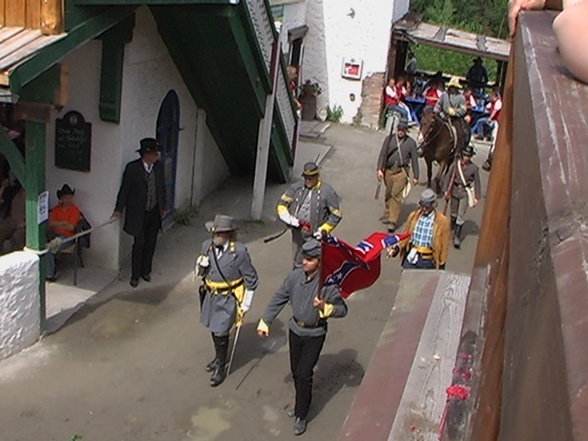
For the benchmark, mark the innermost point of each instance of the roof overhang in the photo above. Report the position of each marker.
(412, 30)
(26, 55)
(17, 45)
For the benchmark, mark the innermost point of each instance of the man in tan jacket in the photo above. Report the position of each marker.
(428, 245)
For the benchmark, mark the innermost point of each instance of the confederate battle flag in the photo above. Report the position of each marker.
(354, 268)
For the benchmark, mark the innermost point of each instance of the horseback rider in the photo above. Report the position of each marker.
(452, 109)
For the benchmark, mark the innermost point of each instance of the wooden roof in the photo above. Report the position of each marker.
(18, 44)
(451, 39)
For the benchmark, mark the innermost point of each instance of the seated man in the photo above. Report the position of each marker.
(484, 126)
(62, 223)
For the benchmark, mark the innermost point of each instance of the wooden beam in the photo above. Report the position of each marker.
(113, 54)
(424, 397)
(47, 57)
(33, 14)
(13, 155)
(14, 12)
(35, 185)
(152, 2)
(2, 12)
(52, 20)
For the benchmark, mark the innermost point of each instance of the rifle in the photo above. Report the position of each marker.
(378, 190)
(450, 186)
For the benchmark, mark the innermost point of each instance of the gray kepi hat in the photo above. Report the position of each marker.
(428, 198)
(220, 224)
(312, 248)
(310, 169)
(402, 125)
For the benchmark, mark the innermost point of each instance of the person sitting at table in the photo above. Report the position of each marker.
(471, 104)
(62, 223)
(392, 99)
(486, 126)
(403, 89)
(432, 95)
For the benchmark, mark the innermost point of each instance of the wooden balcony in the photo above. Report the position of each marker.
(46, 15)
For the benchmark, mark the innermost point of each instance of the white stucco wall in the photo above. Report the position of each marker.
(95, 190)
(19, 302)
(148, 74)
(334, 35)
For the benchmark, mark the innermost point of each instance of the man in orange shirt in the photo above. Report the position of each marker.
(62, 221)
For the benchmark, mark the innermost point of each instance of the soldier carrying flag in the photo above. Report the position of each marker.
(312, 306)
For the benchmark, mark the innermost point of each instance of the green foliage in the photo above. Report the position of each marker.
(77, 437)
(335, 114)
(184, 217)
(487, 18)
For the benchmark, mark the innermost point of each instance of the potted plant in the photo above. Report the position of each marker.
(308, 93)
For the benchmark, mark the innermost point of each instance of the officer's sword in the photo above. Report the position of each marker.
(233, 350)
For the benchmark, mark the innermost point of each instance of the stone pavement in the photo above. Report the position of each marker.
(129, 364)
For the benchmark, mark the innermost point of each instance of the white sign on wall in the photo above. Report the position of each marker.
(352, 68)
(43, 207)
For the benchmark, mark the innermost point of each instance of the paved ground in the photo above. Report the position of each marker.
(129, 366)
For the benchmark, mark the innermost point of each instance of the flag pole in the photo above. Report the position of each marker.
(320, 274)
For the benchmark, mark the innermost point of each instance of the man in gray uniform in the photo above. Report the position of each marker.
(309, 208)
(308, 325)
(462, 176)
(227, 292)
(397, 155)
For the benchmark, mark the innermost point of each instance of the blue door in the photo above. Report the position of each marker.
(168, 130)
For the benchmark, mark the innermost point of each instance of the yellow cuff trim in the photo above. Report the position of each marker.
(329, 308)
(262, 326)
(328, 228)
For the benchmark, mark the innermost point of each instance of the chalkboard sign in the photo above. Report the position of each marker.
(73, 141)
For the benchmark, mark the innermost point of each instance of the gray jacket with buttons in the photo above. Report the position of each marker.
(300, 293)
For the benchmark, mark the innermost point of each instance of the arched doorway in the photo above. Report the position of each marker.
(168, 130)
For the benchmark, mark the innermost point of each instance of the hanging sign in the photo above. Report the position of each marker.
(352, 68)
(73, 140)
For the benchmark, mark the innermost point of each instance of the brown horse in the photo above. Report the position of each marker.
(440, 141)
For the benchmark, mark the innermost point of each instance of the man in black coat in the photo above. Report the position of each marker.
(142, 194)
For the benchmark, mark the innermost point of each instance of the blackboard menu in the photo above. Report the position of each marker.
(73, 141)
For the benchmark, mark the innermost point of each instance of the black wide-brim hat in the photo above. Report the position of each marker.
(65, 190)
(149, 145)
(221, 224)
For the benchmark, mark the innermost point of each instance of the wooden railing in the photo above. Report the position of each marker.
(262, 20)
(523, 355)
(46, 15)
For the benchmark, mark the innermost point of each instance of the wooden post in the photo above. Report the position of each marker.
(34, 186)
(52, 21)
(264, 138)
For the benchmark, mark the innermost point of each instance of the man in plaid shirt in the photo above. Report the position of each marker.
(428, 245)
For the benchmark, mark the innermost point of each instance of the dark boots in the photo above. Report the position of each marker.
(219, 372)
(211, 366)
(457, 236)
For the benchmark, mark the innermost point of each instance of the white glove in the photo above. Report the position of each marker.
(247, 300)
(202, 261)
(288, 219)
(318, 234)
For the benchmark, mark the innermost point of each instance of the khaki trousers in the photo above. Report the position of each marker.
(395, 183)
